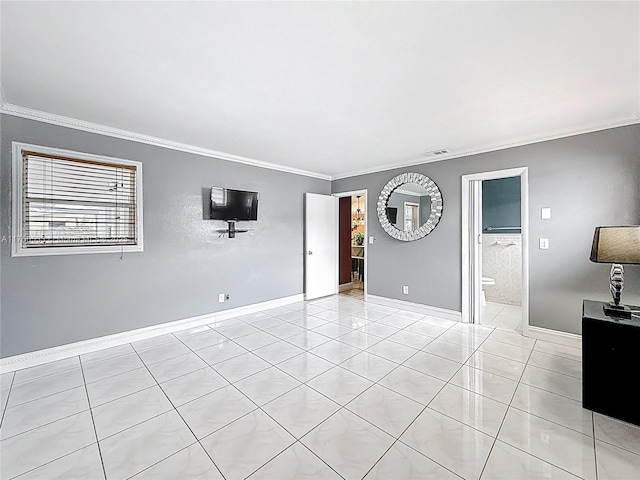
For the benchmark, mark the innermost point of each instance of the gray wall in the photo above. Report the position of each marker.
(396, 200)
(587, 180)
(425, 208)
(501, 204)
(53, 300)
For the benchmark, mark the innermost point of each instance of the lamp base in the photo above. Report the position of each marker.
(613, 310)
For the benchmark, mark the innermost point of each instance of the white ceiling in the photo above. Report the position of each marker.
(333, 88)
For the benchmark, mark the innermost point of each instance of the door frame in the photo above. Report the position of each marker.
(467, 227)
(364, 193)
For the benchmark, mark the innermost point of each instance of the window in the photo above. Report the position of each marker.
(67, 202)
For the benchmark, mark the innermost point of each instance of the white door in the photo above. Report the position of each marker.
(321, 245)
(476, 251)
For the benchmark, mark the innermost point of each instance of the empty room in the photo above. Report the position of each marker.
(319, 240)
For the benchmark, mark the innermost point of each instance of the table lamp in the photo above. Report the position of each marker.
(616, 245)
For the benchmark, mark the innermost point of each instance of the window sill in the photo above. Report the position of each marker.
(47, 251)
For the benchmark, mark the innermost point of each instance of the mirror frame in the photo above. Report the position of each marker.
(436, 206)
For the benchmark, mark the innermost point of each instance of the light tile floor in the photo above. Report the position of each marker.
(499, 315)
(329, 389)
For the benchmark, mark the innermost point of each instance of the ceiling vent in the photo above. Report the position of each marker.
(435, 153)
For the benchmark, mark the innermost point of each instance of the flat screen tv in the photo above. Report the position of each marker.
(392, 214)
(228, 204)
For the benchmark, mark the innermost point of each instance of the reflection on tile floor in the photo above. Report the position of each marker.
(333, 388)
(505, 317)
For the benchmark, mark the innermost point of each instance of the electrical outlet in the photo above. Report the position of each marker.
(221, 297)
(544, 244)
(405, 290)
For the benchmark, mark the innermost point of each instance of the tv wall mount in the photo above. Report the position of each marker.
(232, 230)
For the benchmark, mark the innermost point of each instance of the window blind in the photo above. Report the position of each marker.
(77, 202)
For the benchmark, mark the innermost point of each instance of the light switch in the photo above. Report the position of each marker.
(370, 240)
(544, 244)
(545, 213)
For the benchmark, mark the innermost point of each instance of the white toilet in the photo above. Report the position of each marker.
(486, 282)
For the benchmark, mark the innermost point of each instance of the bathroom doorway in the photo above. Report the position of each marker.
(495, 249)
(352, 251)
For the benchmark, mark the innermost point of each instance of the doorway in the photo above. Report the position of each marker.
(352, 247)
(495, 269)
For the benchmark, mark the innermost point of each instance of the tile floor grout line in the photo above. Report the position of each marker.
(523, 451)
(119, 373)
(258, 407)
(6, 405)
(92, 362)
(554, 371)
(383, 386)
(483, 395)
(93, 422)
(55, 460)
(46, 374)
(39, 398)
(341, 407)
(47, 423)
(549, 420)
(272, 458)
(359, 349)
(413, 421)
(495, 439)
(551, 391)
(396, 439)
(315, 455)
(446, 383)
(183, 421)
(636, 454)
(162, 460)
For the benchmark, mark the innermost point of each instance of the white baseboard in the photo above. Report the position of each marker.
(32, 359)
(345, 286)
(555, 336)
(416, 307)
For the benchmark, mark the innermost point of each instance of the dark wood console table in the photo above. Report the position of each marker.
(610, 363)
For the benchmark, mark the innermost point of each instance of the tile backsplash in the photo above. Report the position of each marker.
(502, 261)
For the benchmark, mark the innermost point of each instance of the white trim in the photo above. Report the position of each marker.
(523, 173)
(3, 98)
(31, 359)
(52, 118)
(365, 194)
(555, 336)
(623, 122)
(416, 307)
(17, 250)
(345, 287)
(407, 192)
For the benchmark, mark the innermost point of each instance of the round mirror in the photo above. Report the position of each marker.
(409, 206)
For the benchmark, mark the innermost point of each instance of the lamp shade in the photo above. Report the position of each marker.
(616, 245)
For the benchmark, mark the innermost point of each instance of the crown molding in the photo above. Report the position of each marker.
(407, 192)
(69, 122)
(492, 148)
(3, 99)
(62, 121)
